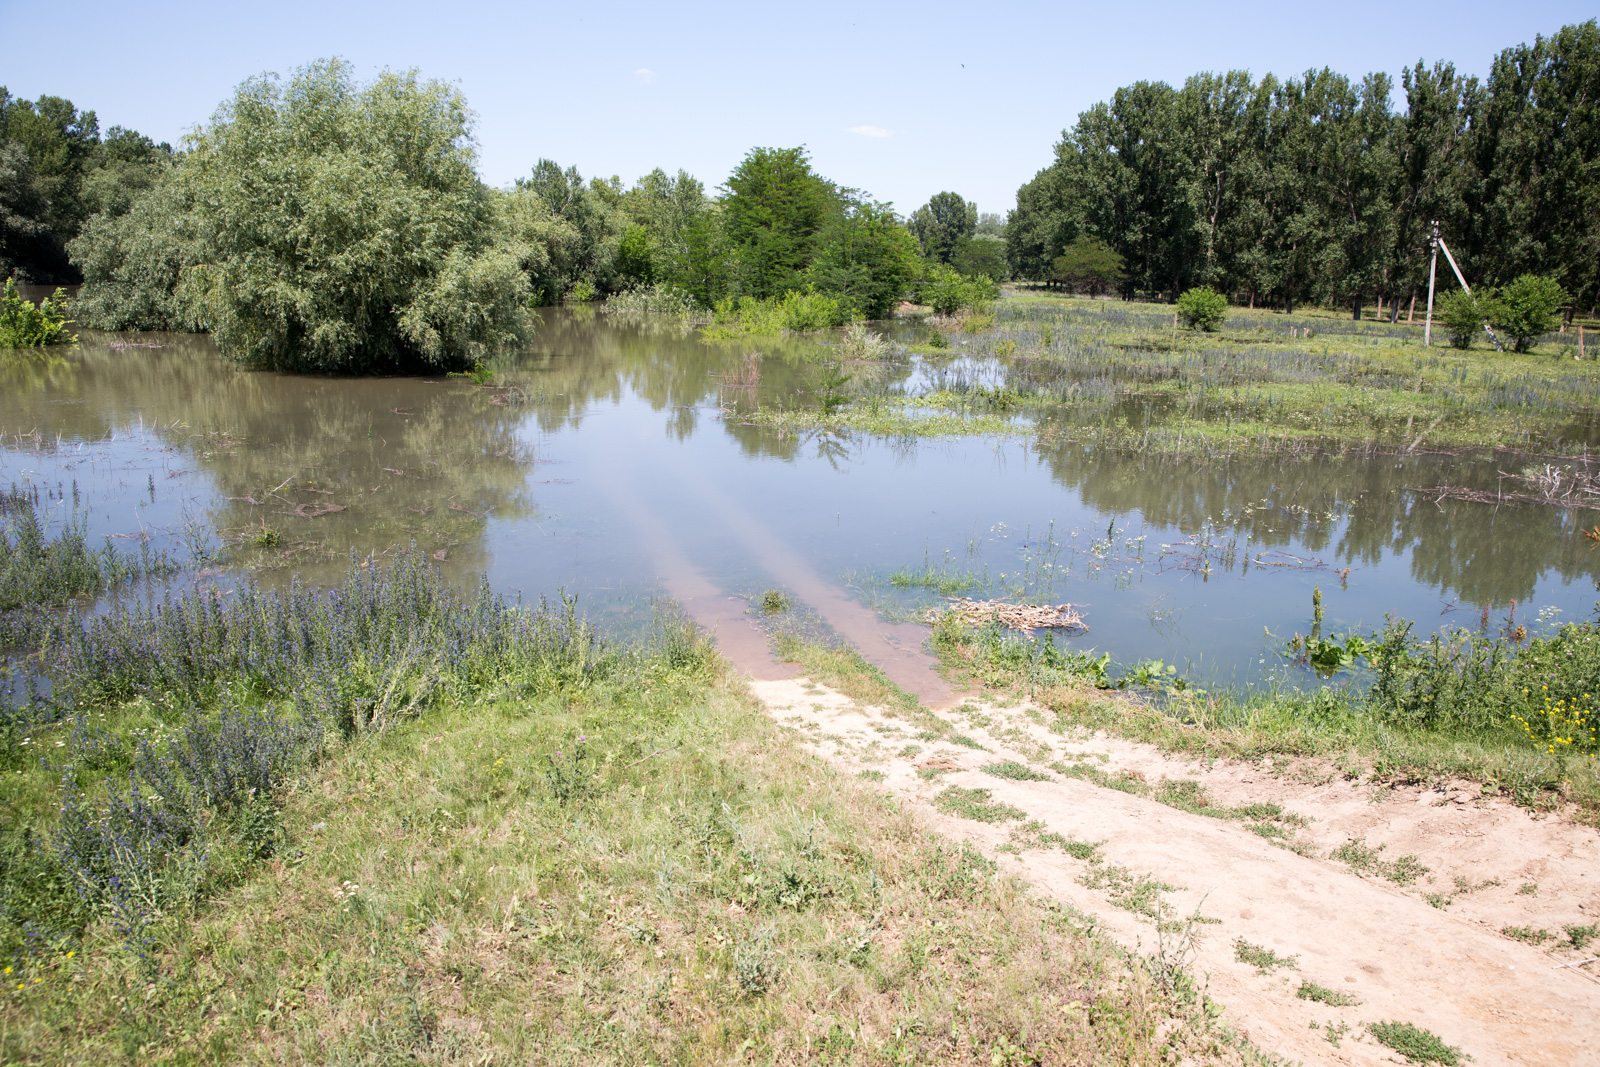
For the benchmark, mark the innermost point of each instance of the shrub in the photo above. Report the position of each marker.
(24, 324)
(1527, 309)
(948, 292)
(1463, 314)
(1203, 308)
(794, 312)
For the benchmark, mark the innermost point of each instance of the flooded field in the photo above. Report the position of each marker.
(616, 460)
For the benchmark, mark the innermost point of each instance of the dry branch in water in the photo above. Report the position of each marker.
(1564, 487)
(1012, 616)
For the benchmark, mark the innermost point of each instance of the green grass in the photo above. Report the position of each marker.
(1527, 934)
(1579, 935)
(1333, 728)
(1364, 859)
(1138, 893)
(685, 887)
(1018, 772)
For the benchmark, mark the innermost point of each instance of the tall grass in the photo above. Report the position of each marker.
(614, 856)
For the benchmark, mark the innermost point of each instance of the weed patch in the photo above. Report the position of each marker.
(1364, 859)
(1310, 990)
(1415, 1044)
(975, 804)
(1018, 772)
(1264, 960)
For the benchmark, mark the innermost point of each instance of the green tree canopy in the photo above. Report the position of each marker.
(1313, 188)
(773, 212)
(1088, 265)
(943, 225)
(865, 256)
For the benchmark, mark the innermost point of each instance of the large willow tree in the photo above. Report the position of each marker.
(343, 227)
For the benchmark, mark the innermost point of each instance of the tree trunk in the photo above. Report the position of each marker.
(1411, 314)
(1355, 307)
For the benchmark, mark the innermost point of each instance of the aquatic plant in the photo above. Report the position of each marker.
(387, 642)
(24, 324)
(39, 570)
(656, 299)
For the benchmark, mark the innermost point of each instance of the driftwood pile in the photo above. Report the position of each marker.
(1012, 616)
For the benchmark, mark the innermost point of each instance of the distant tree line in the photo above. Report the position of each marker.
(319, 223)
(1316, 189)
(56, 173)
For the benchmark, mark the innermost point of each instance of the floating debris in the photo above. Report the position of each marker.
(1012, 616)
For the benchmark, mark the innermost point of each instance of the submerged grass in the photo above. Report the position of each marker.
(547, 850)
(1111, 375)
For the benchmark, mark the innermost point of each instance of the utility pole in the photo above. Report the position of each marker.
(1436, 242)
(1486, 327)
(1433, 268)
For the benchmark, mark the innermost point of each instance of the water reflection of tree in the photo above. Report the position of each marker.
(403, 458)
(1349, 510)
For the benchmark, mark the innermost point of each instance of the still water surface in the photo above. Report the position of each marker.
(612, 460)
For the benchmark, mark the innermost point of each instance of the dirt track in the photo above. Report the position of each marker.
(1448, 969)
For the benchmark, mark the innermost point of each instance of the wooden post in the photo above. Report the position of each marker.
(1411, 313)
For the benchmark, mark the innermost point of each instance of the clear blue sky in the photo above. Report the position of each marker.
(901, 100)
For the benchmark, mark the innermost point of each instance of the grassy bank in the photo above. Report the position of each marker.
(1115, 375)
(397, 823)
(1511, 712)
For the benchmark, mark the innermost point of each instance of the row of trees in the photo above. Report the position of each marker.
(320, 223)
(1316, 188)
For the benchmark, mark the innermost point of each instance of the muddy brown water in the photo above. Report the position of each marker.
(613, 460)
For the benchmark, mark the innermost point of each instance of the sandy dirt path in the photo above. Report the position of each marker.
(1444, 966)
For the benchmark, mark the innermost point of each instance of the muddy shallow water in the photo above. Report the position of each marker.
(611, 460)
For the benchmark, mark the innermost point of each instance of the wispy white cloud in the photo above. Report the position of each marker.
(871, 131)
(645, 74)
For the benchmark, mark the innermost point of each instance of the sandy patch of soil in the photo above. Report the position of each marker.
(1413, 932)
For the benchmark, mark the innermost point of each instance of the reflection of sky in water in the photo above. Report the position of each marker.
(592, 455)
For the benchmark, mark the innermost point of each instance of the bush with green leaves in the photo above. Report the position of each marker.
(345, 228)
(1463, 314)
(24, 324)
(794, 312)
(1527, 309)
(1203, 308)
(656, 299)
(947, 291)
